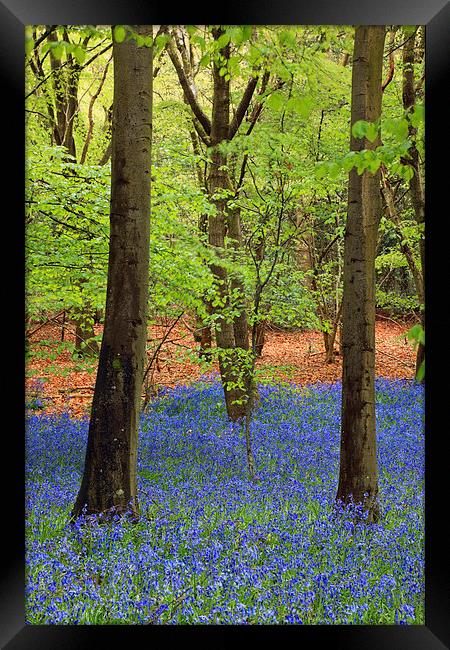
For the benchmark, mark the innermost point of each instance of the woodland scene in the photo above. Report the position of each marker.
(225, 324)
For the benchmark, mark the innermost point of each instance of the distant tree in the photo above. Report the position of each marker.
(109, 479)
(416, 181)
(224, 226)
(358, 474)
(60, 89)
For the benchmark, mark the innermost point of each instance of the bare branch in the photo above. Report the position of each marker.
(90, 113)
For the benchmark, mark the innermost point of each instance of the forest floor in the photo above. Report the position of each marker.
(63, 383)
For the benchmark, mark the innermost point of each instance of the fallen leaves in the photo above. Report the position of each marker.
(297, 357)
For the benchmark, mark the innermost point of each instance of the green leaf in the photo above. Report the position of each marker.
(57, 51)
(409, 30)
(405, 171)
(417, 117)
(119, 33)
(205, 60)
(160, 41)
(29, 45)
(416, 333)
(246, 32)
(223, 40)
(236, 35)
(359, 129)
(370, 160)
(287, 37)
(363, 129)
(397, 127)
(333, 170)
(320, 170)
(361, 163)
(200, 41)
(301, 105)
(372, 132)
(275, 100)
(420, 374)
(79, 54)
(349, 160)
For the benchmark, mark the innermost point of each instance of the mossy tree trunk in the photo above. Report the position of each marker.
(231, 334)
(109, 479)
(224, 230)
(218, 184)
(358, 472)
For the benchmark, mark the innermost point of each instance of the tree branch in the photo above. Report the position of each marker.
(243, 106)
(187, 89)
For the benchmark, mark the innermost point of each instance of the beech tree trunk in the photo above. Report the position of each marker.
(224, 226)
(109, 479)
(358, 473)
(227, 331)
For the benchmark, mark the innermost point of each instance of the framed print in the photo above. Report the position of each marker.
(272, 145)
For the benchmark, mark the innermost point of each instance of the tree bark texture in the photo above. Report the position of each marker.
(109, 479)
(358, 475)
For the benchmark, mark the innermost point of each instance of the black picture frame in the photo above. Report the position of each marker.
(435, 14)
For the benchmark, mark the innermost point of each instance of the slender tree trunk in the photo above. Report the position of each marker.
(405, 247)
(329, 357)
(224, 330)
(84, 318)
(259, 325)
(303, 249)
(204, 329)
(416, 182)
(65, 84)
(240, 323)
(109, 479)
(84, 334)
(260, 337)
(358, 474)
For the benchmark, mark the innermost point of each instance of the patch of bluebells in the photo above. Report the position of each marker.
(35, 399)
(213, 547)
